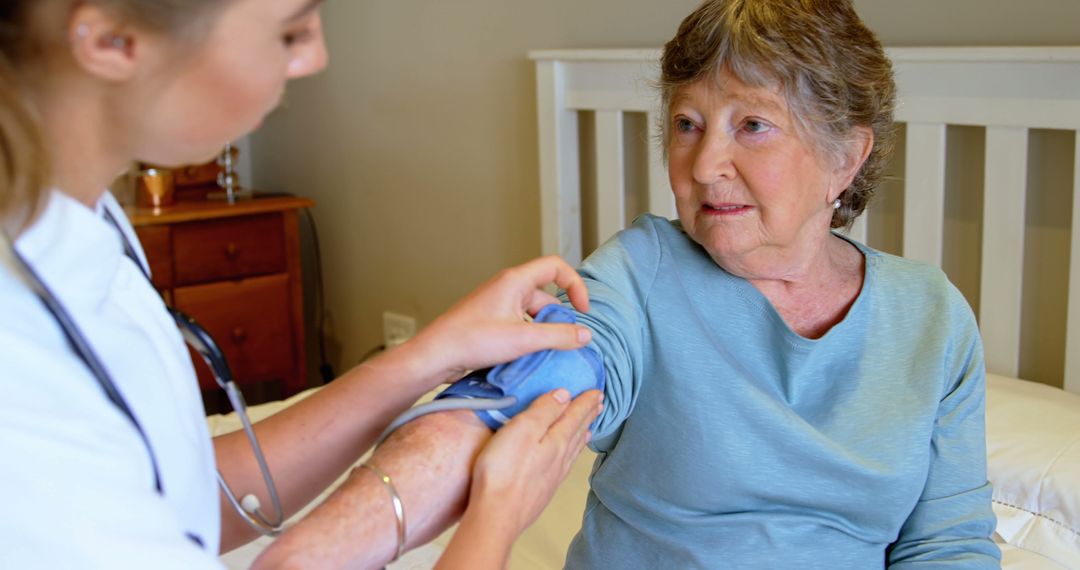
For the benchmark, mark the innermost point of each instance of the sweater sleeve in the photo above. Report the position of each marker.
(619, 275)
(951, 524)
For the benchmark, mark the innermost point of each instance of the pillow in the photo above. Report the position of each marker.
(1033, 451)
(1014, 558)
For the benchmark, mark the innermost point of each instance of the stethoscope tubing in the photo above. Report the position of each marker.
(270, 526)
(85, 352)
(205, 346)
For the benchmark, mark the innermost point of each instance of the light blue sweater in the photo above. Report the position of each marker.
(729, 441)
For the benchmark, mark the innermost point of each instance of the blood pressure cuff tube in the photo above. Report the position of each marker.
(532, 375)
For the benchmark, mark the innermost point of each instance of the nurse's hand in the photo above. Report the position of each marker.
(516, 475)
(488, 326)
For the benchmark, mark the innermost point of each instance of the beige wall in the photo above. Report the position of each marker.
(419, 142)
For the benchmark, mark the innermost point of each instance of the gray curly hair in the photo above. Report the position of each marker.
(830, 67)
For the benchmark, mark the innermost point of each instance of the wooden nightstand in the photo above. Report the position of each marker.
(234, 268)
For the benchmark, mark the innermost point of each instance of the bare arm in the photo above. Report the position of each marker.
(310, 444)
(430, 461)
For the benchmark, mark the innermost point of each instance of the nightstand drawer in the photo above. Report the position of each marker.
(228, 249)
(157, 244)
(236, 269)
(251, 322)
(197, 174)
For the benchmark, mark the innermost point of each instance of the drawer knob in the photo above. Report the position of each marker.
(232, 250)
(239, 335)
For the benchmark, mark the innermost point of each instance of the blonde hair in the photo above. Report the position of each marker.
(24, 158)
(830, 67)
(24, 163)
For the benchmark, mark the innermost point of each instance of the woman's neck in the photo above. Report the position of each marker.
(823, 291)
(799, 260)
(83, 142)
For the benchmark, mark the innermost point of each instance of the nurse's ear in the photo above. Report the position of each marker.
(101, 45)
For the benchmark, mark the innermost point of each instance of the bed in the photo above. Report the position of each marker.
(986, 185)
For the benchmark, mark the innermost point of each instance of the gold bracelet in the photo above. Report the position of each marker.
(399, 507)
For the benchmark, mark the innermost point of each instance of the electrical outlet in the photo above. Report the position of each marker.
(397, 328)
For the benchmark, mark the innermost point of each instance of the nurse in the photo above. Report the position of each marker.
(93, 479)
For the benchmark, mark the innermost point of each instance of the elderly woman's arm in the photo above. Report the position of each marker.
(952, 522)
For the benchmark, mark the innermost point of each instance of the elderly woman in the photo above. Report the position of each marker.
(778, 394)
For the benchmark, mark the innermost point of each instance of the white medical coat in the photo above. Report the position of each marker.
(76, 482)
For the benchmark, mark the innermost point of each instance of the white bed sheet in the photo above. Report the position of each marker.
(1016, 558)
(1033, 451)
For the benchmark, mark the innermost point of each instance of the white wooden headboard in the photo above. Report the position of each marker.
(587, 156)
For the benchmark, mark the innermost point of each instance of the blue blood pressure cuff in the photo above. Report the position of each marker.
(532, 375)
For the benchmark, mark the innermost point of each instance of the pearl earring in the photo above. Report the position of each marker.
(836, 204)
(118, 42)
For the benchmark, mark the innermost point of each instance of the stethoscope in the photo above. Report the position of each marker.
(198, 338)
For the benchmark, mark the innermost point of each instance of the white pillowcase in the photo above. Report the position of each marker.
(1033, 447)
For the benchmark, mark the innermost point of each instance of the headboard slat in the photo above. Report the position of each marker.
(1072, 333)
(1003, 112)
(560, 165)
(1003, 247)
(610, 175)
(924, 192)
(608, 100)
(661, 201)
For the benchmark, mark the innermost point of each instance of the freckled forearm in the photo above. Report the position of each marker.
(429, 461)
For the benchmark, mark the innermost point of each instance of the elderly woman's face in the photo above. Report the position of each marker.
(748, 187)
